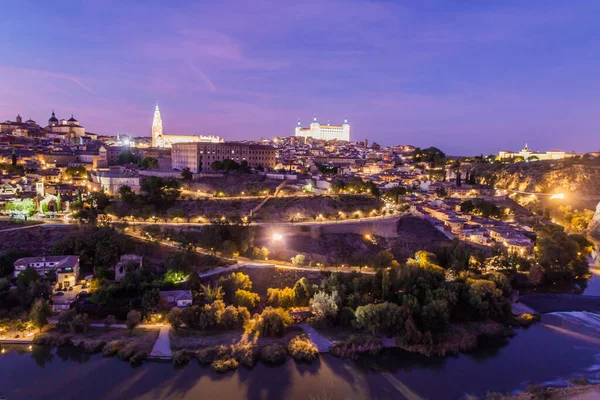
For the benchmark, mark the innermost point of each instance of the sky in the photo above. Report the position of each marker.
(467, 76)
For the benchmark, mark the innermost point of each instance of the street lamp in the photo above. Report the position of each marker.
(277, 236)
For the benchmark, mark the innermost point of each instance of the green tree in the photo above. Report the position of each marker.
(216, 165)
(273, 321)
(187, 175)
(151, 300)
(39, 313)
(324, 307)
(298, 259)
(234, 282)
(134, 318)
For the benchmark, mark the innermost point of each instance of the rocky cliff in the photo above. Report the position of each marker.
(594, 226)
(543, 176)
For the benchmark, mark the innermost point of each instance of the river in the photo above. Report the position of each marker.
(563, 345)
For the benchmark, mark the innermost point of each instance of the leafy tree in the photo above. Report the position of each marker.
(149, 163)
(151, 300)
(187, 175)
(40, 311)
(324, 306)
(234, 282)
(174, 318)
(212, 293)
(383, 259)
(298, 260)
(127, 157)
(216, 165)
(273, 321)
(284, 298)
(134, 318)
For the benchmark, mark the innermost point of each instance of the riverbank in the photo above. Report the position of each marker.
(576, 392)
(133, 346)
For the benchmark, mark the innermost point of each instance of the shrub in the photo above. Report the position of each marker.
(302, 349)
(209, 354)
(356, 345)
(273, 321)
(133, 319)
(182, 357)
(110, 320)
(64, 319)
(579, 381)
(174, 318)
(273, 354)
(246, 353)
(210, 315)
(137, 357)
(225, 364)
(285, 297)
(80, 323)
(247, 299)
(111, 348)
(126, 352)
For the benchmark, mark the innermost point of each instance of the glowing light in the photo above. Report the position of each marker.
(277, 236)
(557, 196)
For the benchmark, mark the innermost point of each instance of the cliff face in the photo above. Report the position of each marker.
(594, 226)
(543, 176)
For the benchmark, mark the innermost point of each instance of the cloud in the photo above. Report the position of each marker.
(211, 86)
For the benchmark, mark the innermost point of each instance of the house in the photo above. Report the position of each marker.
(176, 298)
(65, 267)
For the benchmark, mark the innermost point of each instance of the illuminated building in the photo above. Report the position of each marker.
(530, 155)
(199, 156)
(324, 132)
(159, 139)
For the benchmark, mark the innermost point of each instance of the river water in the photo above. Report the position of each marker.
(561, 346)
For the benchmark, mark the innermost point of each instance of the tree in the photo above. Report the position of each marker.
(151, 300)
(216, 165)
(324, 306)
(187, 175)
(298, 259)
(127, 157)
(383, 259)
(174, 318)
(109, 321)
(273, 321)
(245, 298)
(149, 163)
(212, 293)
(58, 202)
(39, 313)
(134, 318)
(536, 274)
(234, 282)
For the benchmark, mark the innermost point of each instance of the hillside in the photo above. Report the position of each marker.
(581, 176)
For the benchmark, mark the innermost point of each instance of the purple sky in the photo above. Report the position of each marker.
(464, 75)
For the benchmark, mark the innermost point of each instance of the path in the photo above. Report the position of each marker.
(259, 265)
(162, 346)
(321, 343)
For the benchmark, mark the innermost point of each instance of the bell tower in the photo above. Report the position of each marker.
(157, 129)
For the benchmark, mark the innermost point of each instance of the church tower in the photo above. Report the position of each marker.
(157, 129)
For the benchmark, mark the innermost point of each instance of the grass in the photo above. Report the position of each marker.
(355, 345)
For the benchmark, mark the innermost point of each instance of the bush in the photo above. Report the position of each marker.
(224, 365)
(234, 317)
(182, 357)
(302, 349)
(246, 354)
(174, 318)
(110, 320)
(245, 298)
(209, 354)
(64, 319)
(273, 354)
(111, 348)
(355, 345)
(579, 381)
(273, 321)
(133, 319)
(285, 297)
(80, 323)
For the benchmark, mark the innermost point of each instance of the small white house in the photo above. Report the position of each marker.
(177, 298)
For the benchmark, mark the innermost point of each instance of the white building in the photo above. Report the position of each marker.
(159, 139)
(324, 132)
(66, 268)
(530, 155)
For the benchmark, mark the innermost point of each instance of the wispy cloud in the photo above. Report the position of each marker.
(211, 86)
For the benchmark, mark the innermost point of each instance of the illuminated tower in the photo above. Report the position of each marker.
(157, 129)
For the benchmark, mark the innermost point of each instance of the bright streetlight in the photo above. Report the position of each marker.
(277, 236)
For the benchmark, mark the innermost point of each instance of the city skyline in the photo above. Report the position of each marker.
(467, 78)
